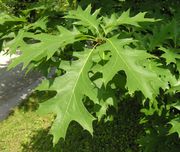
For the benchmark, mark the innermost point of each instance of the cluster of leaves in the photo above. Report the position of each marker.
(99, 59)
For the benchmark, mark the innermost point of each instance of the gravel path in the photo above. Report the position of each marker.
(14, 85)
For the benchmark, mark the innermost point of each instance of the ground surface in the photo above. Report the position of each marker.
(25, 131)
(14, 85)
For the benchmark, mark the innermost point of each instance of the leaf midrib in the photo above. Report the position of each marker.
(73, 90)
(130, 69)
(91, 24)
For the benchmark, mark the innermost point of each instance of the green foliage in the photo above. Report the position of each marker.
(67, 103)
(48, 44)
(96, 57)
(175, 126)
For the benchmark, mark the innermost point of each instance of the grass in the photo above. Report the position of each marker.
(25, 131)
